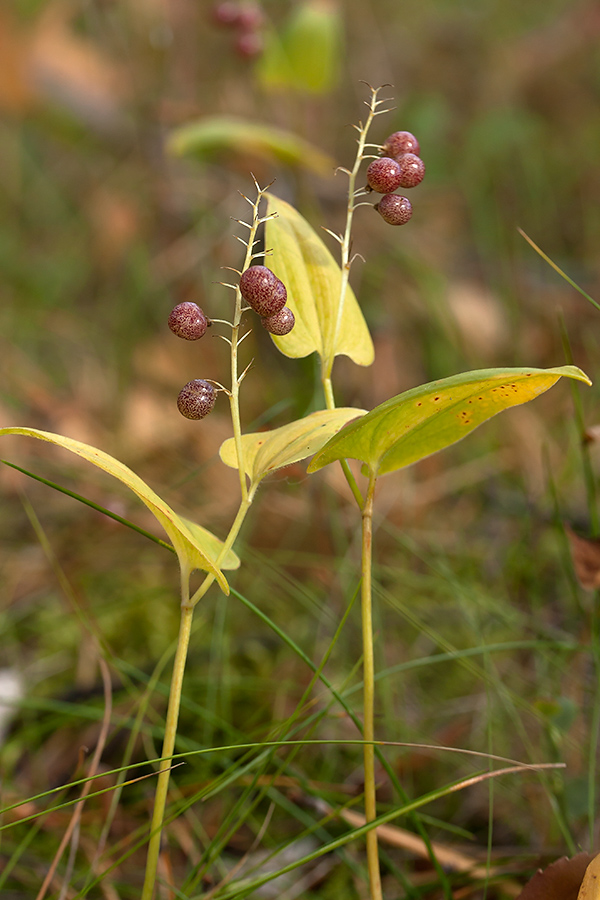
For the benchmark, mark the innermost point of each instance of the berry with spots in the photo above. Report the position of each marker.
(412, 170)
(394, 209)
(401, 142)
(196, 399)
(249, 44)
(384, 175)
(281, 323)
(188, 321)
(263, 290)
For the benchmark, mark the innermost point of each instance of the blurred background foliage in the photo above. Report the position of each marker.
(119, 176)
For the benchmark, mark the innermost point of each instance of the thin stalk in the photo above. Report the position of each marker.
(346, 262)
(162, 785)
(187, 603)
(369, 691)
(330, 403)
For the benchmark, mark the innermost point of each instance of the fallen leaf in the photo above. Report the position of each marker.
(560, 881)
(585, 554)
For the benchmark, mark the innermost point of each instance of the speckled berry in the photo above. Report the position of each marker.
(412, 170)
(188, 321)
(263, 290)
(384, 175)
(394, 209)
(250, 17)
(196, 399)
(281, 323)
(401, 142)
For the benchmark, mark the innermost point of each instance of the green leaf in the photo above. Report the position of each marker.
(307, 56)
(266, 451)
(428, 418)
(196, 548)
(313, 281)
(215, 135)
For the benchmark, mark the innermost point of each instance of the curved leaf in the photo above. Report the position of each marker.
(428, 418)
(195, 547)
(313, 280)
(221, 134)
(266, 451)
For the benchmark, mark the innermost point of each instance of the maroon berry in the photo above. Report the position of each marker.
(188, 321)
(401, 142)
(412, 170)
(262, 290)
(249, 44)
(394, 209)
(384, 175)
(281, 323)
(196, 399)
(226, 14)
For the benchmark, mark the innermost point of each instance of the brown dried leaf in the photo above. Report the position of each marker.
(560, 881)
(585, 553)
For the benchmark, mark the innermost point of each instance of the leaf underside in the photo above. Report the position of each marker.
(196, 547)
(313, 279)
(433, 416)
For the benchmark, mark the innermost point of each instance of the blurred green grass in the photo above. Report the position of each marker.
(101, 233)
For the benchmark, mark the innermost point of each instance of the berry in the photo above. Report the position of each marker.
(281, 323)
(196, 399)
(226, 14)
(384, 175)
(401, 142)
(188, 321)
(249, 44)
(262, 290)
(394, 209)
(412, 170)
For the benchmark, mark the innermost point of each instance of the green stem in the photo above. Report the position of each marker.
(162, 785)
(187, 603)
(369, 691)
(330, 403)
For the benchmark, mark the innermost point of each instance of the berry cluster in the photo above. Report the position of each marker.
(247, 20)
(266, 294)
(401, 166)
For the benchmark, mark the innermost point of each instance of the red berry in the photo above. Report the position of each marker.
(401, 142)
(249, 45)
(226, 14)
(394, 209)
(384, 175)
(263, 290)
(188, 321)
(196, 399)
(281, 323)
(412, 170)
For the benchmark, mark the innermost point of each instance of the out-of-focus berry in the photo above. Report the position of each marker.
(394, 209)
(226, 14)
(249, 44)
(281, 323)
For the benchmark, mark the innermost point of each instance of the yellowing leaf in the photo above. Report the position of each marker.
(226, 134)
(195, 547)
(313, 281)
(266, 451)
(211, 545)
(590, 886)
(428, 418)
